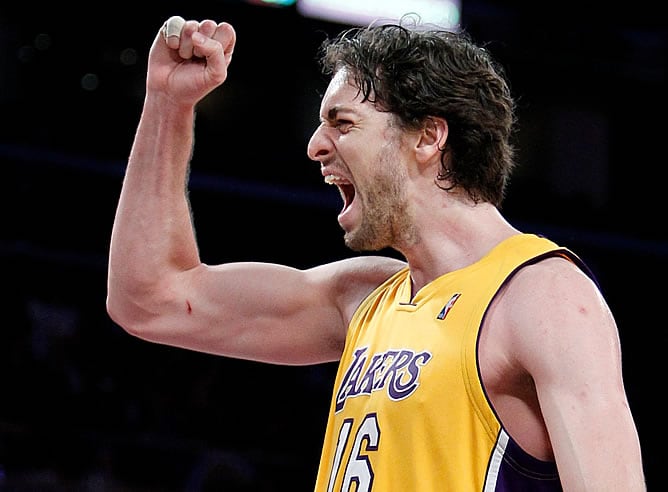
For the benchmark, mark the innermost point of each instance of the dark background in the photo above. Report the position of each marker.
(84, 406)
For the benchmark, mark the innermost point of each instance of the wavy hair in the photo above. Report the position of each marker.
(418, 73)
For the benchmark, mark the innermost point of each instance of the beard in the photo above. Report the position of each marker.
(385, 212)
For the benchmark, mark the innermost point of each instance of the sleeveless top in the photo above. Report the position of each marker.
(408, 410)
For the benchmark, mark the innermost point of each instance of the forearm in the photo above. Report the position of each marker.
(152, 236)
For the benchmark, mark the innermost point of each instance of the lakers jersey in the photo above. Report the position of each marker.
(408, 411)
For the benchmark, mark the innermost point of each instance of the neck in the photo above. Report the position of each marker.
(459, 237)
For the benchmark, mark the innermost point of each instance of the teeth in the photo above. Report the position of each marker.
(333, 179)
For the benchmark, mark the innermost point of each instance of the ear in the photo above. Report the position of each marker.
(432, 138)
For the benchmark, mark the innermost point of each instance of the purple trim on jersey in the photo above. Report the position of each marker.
(518, 471)
(511, 469)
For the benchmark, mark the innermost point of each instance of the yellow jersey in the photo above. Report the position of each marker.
(408, 410)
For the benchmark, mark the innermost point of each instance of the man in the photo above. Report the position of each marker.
(487, 360)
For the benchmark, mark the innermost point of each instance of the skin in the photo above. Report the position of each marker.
(549, 353)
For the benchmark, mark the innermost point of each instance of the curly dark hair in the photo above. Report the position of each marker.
(418, 73)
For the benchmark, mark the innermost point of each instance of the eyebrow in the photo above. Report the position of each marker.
(333, 112)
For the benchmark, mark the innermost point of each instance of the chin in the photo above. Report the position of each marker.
(352, 242)
(356, 241)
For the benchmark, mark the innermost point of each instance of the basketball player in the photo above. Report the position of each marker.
(488, 360)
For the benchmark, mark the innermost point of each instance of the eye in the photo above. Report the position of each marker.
(343, 126)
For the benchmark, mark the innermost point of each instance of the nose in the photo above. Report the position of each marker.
(319, 146)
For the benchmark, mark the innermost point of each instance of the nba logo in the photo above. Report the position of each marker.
(448, 306)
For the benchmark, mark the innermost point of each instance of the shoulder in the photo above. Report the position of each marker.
(556, 275)
(552, 309)
(551, 285)
(351, 280)
(371, 270)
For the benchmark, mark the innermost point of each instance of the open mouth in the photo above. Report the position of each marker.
(346, 189)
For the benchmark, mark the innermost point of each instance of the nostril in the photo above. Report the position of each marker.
(321, 153)
(313, 153)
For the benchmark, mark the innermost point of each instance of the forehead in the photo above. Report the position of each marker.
(342, 93)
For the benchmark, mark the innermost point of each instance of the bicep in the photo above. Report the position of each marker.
(263, 312)
(256, 311)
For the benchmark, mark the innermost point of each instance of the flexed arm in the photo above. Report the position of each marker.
(158, 287)
(152, 231)
(153, 211)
